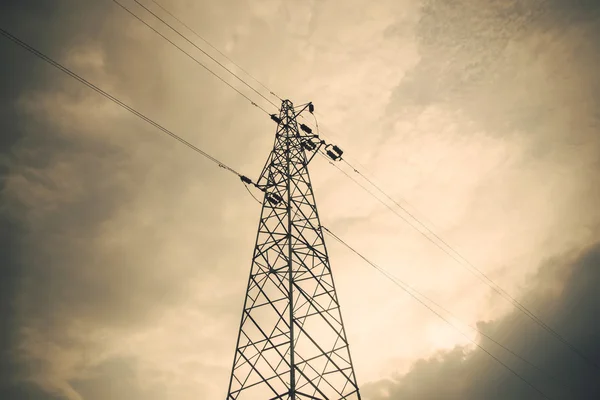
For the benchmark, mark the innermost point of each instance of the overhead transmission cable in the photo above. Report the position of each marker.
(461, 260)
(115, 100)
(193, 58)
(252, 194)
(371, 182)
(414, 294)
(215, 48)
(203, 52)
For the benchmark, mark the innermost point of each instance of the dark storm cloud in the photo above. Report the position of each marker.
(52, 268)
(18, 73)
(37, 262)
(86, 192)
(565, 296)
(116, 380)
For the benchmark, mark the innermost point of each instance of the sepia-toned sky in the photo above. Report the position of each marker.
(124, 255)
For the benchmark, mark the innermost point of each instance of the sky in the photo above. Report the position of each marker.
(125, 255)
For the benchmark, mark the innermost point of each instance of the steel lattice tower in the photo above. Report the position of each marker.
(292, 343)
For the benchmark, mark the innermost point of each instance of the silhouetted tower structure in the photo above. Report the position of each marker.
(292, 343)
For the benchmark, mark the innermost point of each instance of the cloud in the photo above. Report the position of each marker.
(515, 84)
(28, 141)
(509, 64)
(76, 172)
(102, 204)
(125, 257)
(563, 295)
(96, 209)
(503, 105)
(116, 379)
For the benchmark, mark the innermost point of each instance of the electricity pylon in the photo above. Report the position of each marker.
(292, 343)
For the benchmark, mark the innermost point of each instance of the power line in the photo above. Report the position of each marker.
(110, 97)
(215, 49)
(316, 124)
(412, 292)
(193, 58)
(372, 194)
(204, 52)
(252, 194)
(378, 188)
(461, 260)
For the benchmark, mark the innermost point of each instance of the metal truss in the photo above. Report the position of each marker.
(292, 343)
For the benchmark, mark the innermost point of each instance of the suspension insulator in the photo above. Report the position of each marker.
(332, 155)
(275, 118)
(338, 150)
(309, 145)
(311, 108)
(305, 129)
(274, 198)
(246, 180)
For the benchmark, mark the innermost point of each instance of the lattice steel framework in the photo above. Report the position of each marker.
(292, 343)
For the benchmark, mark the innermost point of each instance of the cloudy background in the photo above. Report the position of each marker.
(124, 255)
